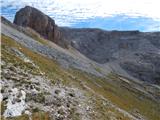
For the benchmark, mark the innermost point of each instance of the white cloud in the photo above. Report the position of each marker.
(83, 9)
(153, 27)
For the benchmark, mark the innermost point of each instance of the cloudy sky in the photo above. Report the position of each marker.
(140, 15)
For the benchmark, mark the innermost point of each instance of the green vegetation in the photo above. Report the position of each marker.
(39, 98)
(98, 69)
(22, 117)
(40, 116)
(12, 58)
(110, 87)
(36, 36)
(35, 116)
(3, 107)
(123, 97)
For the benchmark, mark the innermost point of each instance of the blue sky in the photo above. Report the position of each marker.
(140, 15)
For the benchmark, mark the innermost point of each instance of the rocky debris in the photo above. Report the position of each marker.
(15, 103)
(131, 48)
(146, 67)
(136, 52)
(21, 55)
(38, 21)
(36, 93)
(54, 53)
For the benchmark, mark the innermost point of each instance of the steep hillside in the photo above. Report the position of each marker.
(101, 75)
(136, 52)
(37, 84)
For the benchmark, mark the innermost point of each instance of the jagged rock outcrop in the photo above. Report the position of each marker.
(38, 21)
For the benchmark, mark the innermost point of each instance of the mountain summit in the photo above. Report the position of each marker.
(38, 21)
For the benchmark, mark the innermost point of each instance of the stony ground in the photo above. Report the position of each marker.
(24, 92)
(41, 81)
(27, 91)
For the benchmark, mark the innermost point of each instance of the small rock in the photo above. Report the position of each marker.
(72, 94)
(31, 86)
(57, 91)
(9, 90)
(68, 105)
(27, 112)
(61, 112)
(12, 68)
(7, 76)
(18, 100)
(13, 101)
(5, 98)
(2, 90)
(88, 108)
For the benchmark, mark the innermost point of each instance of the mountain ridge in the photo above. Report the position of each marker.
(100, 75)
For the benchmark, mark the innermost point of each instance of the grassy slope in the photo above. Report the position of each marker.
(54, 73)
(123, 97)
(119, 95)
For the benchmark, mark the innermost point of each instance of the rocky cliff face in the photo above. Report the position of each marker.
(38, 21)
(135, 52)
